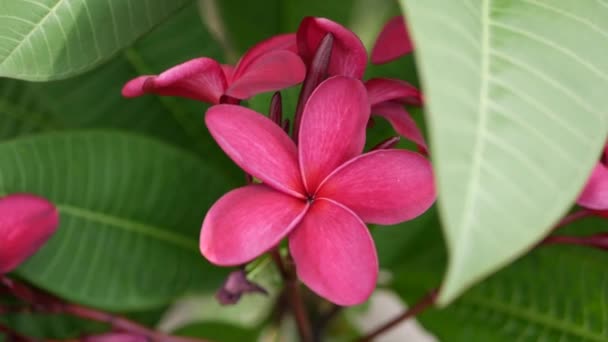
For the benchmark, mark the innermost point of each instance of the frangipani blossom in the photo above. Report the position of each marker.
(26, 223)
(595, 193)
(348, 56)
(270, 65)
(392, 42)
(318, 194)
(387, 97)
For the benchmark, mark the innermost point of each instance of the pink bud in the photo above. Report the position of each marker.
(26, 223)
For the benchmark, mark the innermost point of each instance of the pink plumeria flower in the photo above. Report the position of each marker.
(348, 56)
(595, 193)
(318, 193)
(387, 98)
(392, 42)
(26, 223)
(270, 65)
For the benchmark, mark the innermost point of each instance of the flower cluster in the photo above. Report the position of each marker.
(317, 188)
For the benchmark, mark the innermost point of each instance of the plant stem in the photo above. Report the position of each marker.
(40, 301)
(294, 297)
(13, 335)
(323, 321)
(575, 216)
(423, 304)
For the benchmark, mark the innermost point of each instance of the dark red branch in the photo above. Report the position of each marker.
(424, 303)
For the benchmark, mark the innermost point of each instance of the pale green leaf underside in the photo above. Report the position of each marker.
(52, 39)
(517, 113)
(131, 210)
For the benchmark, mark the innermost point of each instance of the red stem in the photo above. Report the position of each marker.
(44, 302)
(292, 289)
(423, 304)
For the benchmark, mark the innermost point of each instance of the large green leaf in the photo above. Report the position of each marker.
(52, 39)
(93, 100)
(556, 293)
(131, 210)
(517, 116)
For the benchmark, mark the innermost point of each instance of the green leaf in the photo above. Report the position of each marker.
(131, 210)
(516, 101)
(554, 293)
(52, 39)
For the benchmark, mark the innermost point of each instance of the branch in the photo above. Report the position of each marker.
(423, 304)
(44, 302)
(294, 297)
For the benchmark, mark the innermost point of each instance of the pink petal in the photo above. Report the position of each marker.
(228, 72)
(595, 194)
(348, 57)
(271, 71)
(386, 89)
(257, 145)
(247, 222)
(383, 186)
(115, 337)
(26, 223)
(401, 121)
(200, 79)
(279, 42)
(333, 126)
(335, 254)
(393, 42)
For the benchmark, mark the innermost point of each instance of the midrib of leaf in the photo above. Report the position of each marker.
(28, 117)
(533, 316)
(129, 225)
(177, 112)
(464, 228)
(36, 27)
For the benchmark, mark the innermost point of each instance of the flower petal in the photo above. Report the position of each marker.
(279, 42)
(271, 71)
(383, 186)
(348, 57)
(257, 145)
(200, 79)
(401, 121)
(387, 89)
(247, 222)
(333, 126)
(26, 223)
(392, 42)
(595, 193)
(334, 254)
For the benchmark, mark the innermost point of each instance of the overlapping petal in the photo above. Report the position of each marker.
(279, 42)
(333, 128)
(595, 194)
(335, 254)
(383, 186)
(26, 223)
(257, 145)
(387, 89)
(402, 122)
(348, 57)
(199, 79)
(270, 71)
(247, 222)
(392, 42)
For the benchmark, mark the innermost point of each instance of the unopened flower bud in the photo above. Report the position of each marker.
(26, 223)
(235, 286)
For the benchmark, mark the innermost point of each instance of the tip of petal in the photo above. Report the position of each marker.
(349, 57)
(392, 42)
(28, 221)
(137, 86)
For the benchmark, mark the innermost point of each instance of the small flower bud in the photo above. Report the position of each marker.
(235, 286)
(26, 223)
